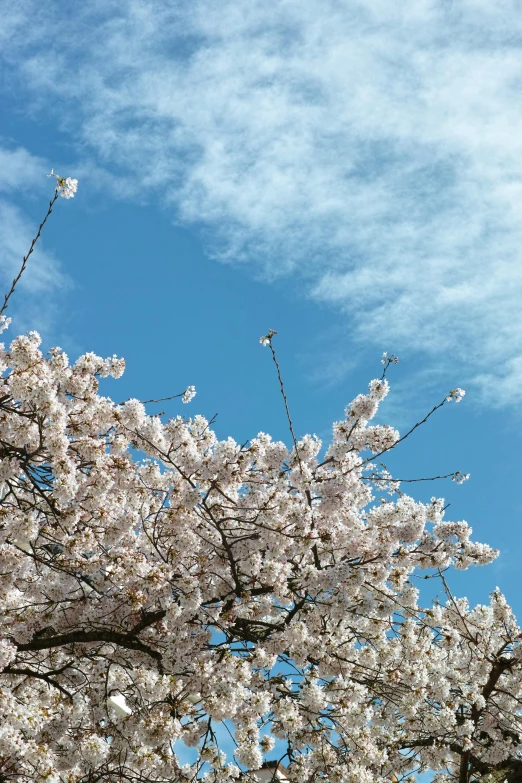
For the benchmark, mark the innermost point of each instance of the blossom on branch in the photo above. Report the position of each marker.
(188, 394)
(143, 602)
(148, 603)
(66, 187)
(266, 339)
(455, 394)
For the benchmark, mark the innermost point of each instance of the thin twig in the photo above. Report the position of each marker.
(283, 393)
(163, 399)
(387, 360)
(26, 258)
(388, 448)
(268, 339)
(406, 481)
(160, 399)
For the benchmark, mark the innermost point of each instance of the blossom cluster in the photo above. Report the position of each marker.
(66, 187)
(145, 601)
(189, 394)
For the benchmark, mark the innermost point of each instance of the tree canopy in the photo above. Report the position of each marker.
(159, 587)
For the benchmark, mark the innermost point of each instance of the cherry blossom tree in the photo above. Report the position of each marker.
(160, 588)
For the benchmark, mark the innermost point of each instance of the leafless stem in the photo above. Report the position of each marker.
(26, 258)
(164, 399)
(285, 400)
(406, 481)
(410, 431)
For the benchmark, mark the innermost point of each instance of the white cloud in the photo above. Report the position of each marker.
(20, 170)
(372, 148)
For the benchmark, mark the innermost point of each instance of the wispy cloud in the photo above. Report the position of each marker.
(20, 170)
(373, 149)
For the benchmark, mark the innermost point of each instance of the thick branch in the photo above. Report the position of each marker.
(127, 641)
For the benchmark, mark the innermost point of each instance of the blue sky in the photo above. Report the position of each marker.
(349, 174)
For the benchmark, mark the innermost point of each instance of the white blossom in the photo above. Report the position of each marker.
(455, 394)
(157, 581)
(460, 478)
(266, 339)
(188, 394)
(66, 187)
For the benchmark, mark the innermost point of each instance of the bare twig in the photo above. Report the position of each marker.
(26, 258)
(406, 481)
(410, 431)
(163, 399)
(283, 394)
(387, 360)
